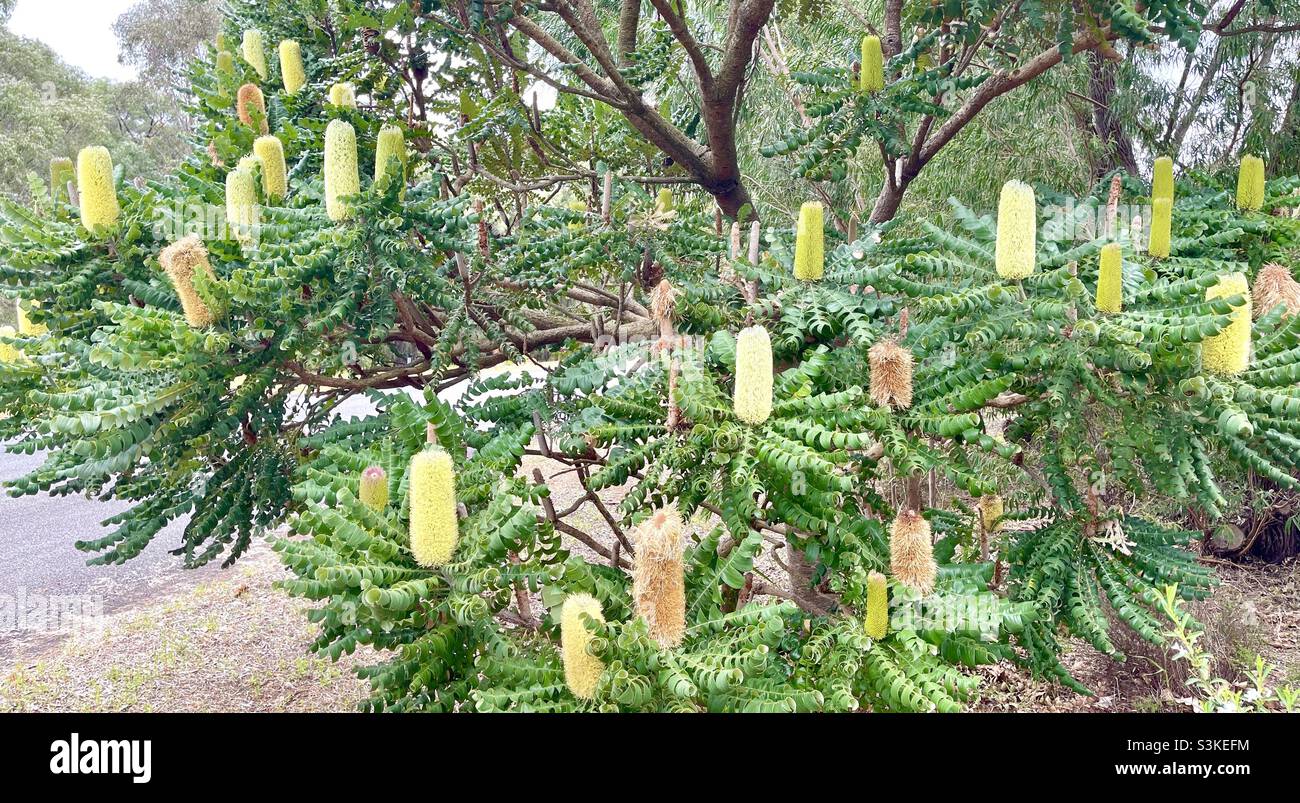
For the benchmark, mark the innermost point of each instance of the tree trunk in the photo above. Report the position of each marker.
(1106, 124)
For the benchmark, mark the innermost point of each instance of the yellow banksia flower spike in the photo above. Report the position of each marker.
(95, 190)
(991, 510)
(225, 62)
(871, 70)
(1250, 184)
(8, 353)
(658, 585)
(809, 243)
(248, 98)
(582, 670)
(1228, 352)
(877, 620)
(1162, 212)
(752, 396)
(1110, 279)
(389, 144)
(1162, 178)
(1016, 252)
(61, 173)
(891, 374)
(253, 52)
(341, 177)
(911, 552)
(219, 41)
(181, 261)
(270, 153)
(291, 70)
(344, 95)
(1275, 285)
(432, 496)
(242, 213)
(25, 325)
(373, 491)
(664, 201)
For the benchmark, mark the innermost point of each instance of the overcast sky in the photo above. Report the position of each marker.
(80, 31)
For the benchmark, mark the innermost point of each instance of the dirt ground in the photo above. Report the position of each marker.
(237, 644)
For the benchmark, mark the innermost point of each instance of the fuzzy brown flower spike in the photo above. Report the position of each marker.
(891, 374)
(1274, 285)
(658, 586)
(911, 552)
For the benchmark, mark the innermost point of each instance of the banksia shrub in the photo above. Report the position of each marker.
(1017, 242)
(181, 261)
(871, 73)
(226, 62)
(1250, 183)
(270, 153)
(253, 52)
(247, 99)
(752, 396)
(434, 527)
(1161, 220)
(341, 177)
(241, 203)
(1110, 279)
(891, 374)
(911, 553)
(877, 621)
(291, 70)
(343, 94)
(1162, 179)
(373, 491)
(808, 243)
(389, 144)
(1228, 352)
(95, 190)
(582, 670)
(1274, 285)
(658, 585)
(61, 173)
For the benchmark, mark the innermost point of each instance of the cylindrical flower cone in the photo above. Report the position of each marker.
(270, 153)
(341, 176)
(373, 491)
(62, 172)
(991, 510)
(1250, 184)
(291, 70)
(1228, 352)
(911, 552)
(248, 99)
(752, 396)
(95, 190)
(658, 585)
(432, 496)
(25, 325)
(1162, 178)
(809, 243)
(225, 62)
(1016, 252)
(891, 374)
(1110, 279)
(253, 52)
(582, 670)
(242, 213)
(877, 619)
(871, 74)
(343, 95)
(181, 261)
(391, 144)
(8, 353)
(1161, 223)
(1275, 286)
